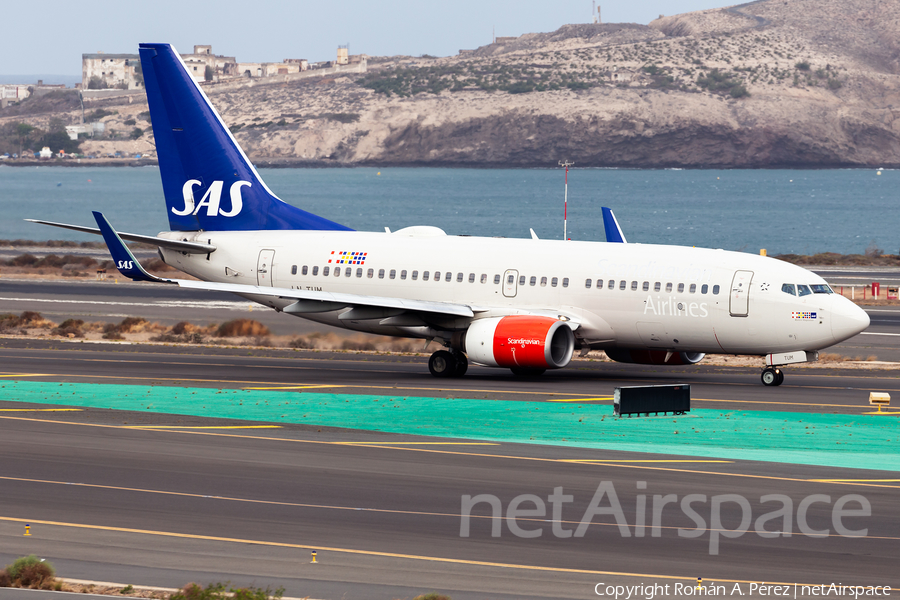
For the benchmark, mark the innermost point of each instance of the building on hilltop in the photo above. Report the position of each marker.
(111, 71)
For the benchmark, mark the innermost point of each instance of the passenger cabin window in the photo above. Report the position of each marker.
(403, 274)
(370, 273)
(646, 286)
(715, 290)
(693, 288)
(588, 283)
(449, 276)
(348, 272)
(623, 284)
(669, 287)
(533, 281)
(543, 282)
(704, 288)
(359, 271)
(803, 290)
(294, 270)
(437, 276)
(380, 273)
(788, 288)
(325, 271)
(471, 277)
(459, 277)
(565, 282)
(657, 286)
(680, 288)
(415, 275)
(554, 281)
(496, 279)
(634, 286)
(510, 279)
(393, 274)
(305, 270)
(599, 284)
(484, 278)
(521, 280)
(337, 271)
(612, 284)
(424, 275)
(316, 271)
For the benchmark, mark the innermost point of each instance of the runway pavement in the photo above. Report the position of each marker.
(141, 498)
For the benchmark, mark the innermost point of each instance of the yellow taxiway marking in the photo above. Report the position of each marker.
(27, 375)
(294, 387)
(855, 480)
(437, 559)
(883, 412)
(211, 427)
(601, 460)
(41, 409)
(417, 443)
(580, 399)
(471, 454)
(779, 402)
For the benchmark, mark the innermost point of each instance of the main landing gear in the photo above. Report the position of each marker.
(448, 364)
(772, 376)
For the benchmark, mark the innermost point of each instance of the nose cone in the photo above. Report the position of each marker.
(847, 319)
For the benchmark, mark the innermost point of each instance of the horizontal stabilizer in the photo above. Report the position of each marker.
(186, 247)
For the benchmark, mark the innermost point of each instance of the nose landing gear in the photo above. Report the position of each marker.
(448, 364)
(772, 376)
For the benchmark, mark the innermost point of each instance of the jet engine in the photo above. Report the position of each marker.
(520, 341)
(655, 357)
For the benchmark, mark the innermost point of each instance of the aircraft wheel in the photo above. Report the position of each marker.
(462, 364)
(443, 364)
(526, 372)
(772, 376)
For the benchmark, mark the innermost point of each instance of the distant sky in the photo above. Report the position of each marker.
(50, 36)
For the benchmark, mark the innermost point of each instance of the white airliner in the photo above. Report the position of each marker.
(522, 304)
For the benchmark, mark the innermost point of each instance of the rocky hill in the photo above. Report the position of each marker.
(810, 83)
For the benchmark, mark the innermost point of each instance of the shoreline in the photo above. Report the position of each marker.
(292, 163)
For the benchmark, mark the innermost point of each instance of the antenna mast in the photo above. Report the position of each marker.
(566, 164)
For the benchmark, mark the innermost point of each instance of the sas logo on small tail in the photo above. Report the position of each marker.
(125, 264)
(211, 199)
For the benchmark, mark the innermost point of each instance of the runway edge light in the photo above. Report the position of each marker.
(27, 529)
(313, 561)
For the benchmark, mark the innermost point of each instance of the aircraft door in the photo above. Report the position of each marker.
(739, 302)
(264, 270)
(510, 282)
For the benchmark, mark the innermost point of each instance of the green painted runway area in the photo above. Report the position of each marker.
(851, 441)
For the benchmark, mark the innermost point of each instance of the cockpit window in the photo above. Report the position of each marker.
(821, 288)
(788, 288)
(804, 290)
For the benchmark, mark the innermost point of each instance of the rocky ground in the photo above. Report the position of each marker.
(813, 83)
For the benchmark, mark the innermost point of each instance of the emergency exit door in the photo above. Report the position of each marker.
(739, 303)
(264, 269)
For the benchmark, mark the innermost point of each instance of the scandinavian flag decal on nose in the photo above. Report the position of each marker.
(342, 257)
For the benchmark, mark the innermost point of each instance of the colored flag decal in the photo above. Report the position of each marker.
(803, 315)
(348, 258)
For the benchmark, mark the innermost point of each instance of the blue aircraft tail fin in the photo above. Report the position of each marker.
(208, 181)
(613, 231)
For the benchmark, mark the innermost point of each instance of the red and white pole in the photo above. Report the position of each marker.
(566, 164)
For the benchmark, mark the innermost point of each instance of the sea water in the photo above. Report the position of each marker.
(783, 211)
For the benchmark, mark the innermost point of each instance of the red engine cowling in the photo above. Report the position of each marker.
(655, 357)
(520, 341)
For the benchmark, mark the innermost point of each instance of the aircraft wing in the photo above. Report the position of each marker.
(307, 301)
